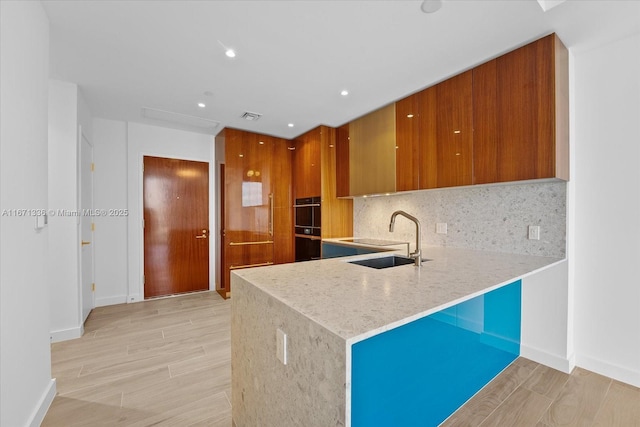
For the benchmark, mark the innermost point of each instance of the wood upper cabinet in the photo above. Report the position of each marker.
(342, 161)
(407, 143)
(444, 134)
(454, 131)
(372, 157)
(306, 165)
(520, 109)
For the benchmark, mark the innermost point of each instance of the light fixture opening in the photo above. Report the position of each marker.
(431, 6)
(344, 92)
(201, 104)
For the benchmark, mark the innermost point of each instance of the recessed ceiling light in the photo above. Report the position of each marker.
(410, 116)
(290, 125)
(344, 93)
(201, 104)
(431, 6)
(261, 142)
(230, 53)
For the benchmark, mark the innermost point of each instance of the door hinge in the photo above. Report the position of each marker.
(93, 287)
(143, 224)
(93, 166)
(93, 226)
(144, 279)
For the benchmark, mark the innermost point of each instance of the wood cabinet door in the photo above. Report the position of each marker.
(407, 143)
(455, 131)
(337, 214)
(372, 153)
(428, 138)
(306, 165)
(282, 216)
(249, 206)
(521, 127)
(342, 161)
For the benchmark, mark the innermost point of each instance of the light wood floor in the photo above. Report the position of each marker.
(159, 362)
(168, 362)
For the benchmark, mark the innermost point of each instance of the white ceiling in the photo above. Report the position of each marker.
(294, 57)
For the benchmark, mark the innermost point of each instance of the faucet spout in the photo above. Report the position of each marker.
(417, 254)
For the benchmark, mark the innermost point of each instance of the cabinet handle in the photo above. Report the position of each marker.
(235, 267)
(263, 242)
(271, 214)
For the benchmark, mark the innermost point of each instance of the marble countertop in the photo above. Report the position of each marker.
(356, 302)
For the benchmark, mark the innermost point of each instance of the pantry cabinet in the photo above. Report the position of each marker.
(258, 217)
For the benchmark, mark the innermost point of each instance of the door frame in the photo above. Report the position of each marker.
(81, 291)
(140, 217)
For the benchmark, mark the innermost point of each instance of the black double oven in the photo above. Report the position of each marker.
(307, 228)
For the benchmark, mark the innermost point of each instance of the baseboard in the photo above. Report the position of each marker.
(620, 373)
(43, 405)
(554, 361)
(118, 299)
(67, 334)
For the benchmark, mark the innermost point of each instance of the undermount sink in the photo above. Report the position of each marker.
(386, 262)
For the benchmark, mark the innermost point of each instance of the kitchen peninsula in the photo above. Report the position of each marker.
(298, 329)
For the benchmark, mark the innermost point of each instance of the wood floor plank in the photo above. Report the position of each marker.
(621, 407)
(522, 408)
(474, 412)
(546, 381)
(579, 400)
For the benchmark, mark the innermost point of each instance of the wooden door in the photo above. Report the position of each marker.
(176, 226)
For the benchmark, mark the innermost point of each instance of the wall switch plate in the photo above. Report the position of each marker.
(534, 232)
(281, 346)
(441, 228)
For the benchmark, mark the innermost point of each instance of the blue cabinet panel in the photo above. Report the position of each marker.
(420, 373)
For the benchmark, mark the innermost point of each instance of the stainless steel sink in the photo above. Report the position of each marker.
(386, 262)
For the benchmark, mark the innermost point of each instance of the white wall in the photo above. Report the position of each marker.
(545, 319)
(145, 140)
(63, 202)
(110, 192)
(26, 389)
(606, 231)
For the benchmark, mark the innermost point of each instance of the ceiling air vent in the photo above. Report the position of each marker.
(252, 117)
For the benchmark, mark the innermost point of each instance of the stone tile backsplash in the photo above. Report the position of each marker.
(488, 217)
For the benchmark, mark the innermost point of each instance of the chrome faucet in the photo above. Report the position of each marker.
(417, 255)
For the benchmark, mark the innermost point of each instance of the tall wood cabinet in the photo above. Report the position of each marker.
(258, 217)
(315, 174)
